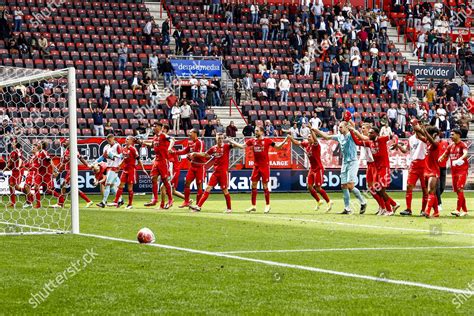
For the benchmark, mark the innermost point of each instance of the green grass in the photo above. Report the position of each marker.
(129, 278)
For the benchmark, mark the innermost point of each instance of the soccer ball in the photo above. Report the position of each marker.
(145, 236)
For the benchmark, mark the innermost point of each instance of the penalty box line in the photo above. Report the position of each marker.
(292, 266)
(344, 249)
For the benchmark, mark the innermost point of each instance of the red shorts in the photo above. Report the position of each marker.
(175, 179)
(432, 173)
(44, 180)
(195, 173)
(415, 174)
(371, 173)
(30, 177)
(383, 177)
(315, 177)
(459, 180)
(128, 177)
(260, 173)
(15, 179)
(221, 178)
(160, 168)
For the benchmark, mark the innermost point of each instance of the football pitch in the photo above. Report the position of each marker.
(292, 261)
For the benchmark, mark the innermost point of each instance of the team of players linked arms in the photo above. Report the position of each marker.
(426, 152)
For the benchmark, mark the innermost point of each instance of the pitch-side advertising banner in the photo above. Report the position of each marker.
(199, 68)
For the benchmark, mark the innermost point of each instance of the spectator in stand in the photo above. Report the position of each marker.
(166, 68)
(355, 62)
(153, 64)
(194, 87)
(165, 32)
(186, 113)
(248, 130)
(206, 6)
(284, 25)
(227, 43)
(148, 30)
(220, 129)
(135, 82)
(123, 56)
(305, 131)
(248, 87)
(216, 91)
(326, 72)
(106, 92)
(410, 82)
(426, 22)
(229, 14)
(178, 39)
(394, 87)
(153, 90)
(306, 61)
(293, 131)
(374, 56)
(270, 84)
(420, 45)
(269, 129)
(254, 9)
(392, 115)
(202, 106)
(262, 67)
(265, 25)
(431, 96)
(238, 90)
(315, 121)
(209, 131)
(43, 46)
(171, 101)
(109, 129)
(386, 130)
(176, 116)
(18, 17)
(398, 131)
(401, 117)
(284, 86)
(203, 84)
(335, 68)
(231, 130)
(98, 117)
(345, 72)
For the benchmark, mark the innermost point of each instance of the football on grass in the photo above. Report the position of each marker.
(145, 236)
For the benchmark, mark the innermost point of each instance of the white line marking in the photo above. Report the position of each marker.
(362, 225)
(41, 229)
(345, 249)
(294, 266)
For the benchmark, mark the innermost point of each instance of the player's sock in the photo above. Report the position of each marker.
(169, 192)
(435, 204)
(118, 195)
(391, 201)
(378, 199)
(203, 198)
(155, 190)
(62, 198)
(187, 192)
(408, 199)
(12, 196)
(430, 203)
(38, 196)
(388, 205)
(324, 195)
(424, 202)
(359, 196)
(106, 194)
(227, 201)
(347, 198)
(462, 201)
(254, 196)
(314, 194)
(199, 194)
(84, 196)
(130, 197)
(29, 198)
(267, 196)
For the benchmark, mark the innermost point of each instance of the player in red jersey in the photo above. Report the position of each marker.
(15, 164)
(196, 171)
(379, 177)
(431, 135)
(315, 178)
(220, 153)
(30, 176)
(129, 171)
(64, 166)
(457, 153)
(174, 163)
(261, 169)
(162, 144)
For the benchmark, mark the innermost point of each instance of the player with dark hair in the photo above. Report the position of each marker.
(162, 144)
(315, 177)
(196, 170)
(220, 153)
(457, 153)
(261, 169)
(430, 135)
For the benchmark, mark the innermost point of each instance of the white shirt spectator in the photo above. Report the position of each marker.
(315, 122)
(305, 131)
(107, 91)
(391, 74)
(386, 130)
(194, 83)
(148, 27)
(18, 14)
(417, 149)
(441, 113)
(294, 132)
(284, 85)
(374, 51)
(392, 113)
(355, 60)
(153, 62)
(186, 111)
(270, 83)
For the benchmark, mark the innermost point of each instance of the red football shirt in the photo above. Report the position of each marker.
(161, 144)
(130, 156)
(455, 151)
(379, 150)
(221, 157)
(443, 146)
(65, 160)
(194, 146)
(431, 161)
(260, 148)
(42, 163)
(102, 169)
(313, 151)
(14, 161)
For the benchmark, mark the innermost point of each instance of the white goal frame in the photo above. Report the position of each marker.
(70, 74)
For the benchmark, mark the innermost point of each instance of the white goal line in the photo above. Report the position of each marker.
(344, 249)
(293, 266)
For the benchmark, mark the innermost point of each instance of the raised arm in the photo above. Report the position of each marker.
(321, 134)
(279, 145)
(235, 144)
(297, 142)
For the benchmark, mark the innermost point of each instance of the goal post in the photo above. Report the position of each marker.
(38, 131)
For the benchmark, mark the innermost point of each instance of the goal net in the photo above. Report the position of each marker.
(38, 152)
